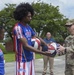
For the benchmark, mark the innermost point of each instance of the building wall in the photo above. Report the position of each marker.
(9, 46)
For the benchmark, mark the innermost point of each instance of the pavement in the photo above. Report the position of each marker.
(59, 66)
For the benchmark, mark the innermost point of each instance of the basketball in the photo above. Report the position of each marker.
(52, 48)
(36, 43)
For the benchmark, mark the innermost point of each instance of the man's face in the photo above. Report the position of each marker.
(48, 35)
(28, 18)
(71, 29)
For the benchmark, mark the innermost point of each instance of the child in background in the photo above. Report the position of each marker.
(1, 63)
(2, 71)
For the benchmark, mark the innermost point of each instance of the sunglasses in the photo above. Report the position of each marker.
(68, 25)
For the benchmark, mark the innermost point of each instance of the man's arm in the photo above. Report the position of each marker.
(30, 48)
(70, 49)
(42, 41)
(66, 49)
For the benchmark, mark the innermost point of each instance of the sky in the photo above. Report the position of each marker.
(66, 7)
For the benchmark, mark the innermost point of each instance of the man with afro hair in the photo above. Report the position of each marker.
(22, 34)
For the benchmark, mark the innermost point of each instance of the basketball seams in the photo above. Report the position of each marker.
(36, 42)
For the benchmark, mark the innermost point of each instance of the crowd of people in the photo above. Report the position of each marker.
(22, 34)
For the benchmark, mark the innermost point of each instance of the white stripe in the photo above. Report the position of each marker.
(18, 32)
(27, 68)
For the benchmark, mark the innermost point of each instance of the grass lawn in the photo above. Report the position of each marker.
(38, 56)
(10, 57)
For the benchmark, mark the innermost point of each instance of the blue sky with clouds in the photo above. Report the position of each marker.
(66, 6)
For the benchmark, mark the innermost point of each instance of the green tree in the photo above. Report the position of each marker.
(6, 18)
(47, 18)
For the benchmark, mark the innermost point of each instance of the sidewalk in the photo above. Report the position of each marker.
(59, 65)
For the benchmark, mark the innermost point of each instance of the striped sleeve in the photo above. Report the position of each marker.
(18, 32)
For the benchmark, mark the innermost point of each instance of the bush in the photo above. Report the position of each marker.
(3, 48)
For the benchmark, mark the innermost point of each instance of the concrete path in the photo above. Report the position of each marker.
(59, 66)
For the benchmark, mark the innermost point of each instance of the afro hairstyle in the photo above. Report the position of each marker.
(22, 10)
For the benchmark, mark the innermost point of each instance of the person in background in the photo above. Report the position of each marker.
(2, 66)
(22, 34)
(69, 49)
(48, 59)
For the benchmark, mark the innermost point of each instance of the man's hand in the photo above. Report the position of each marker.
(61, 48)
(47, 53)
